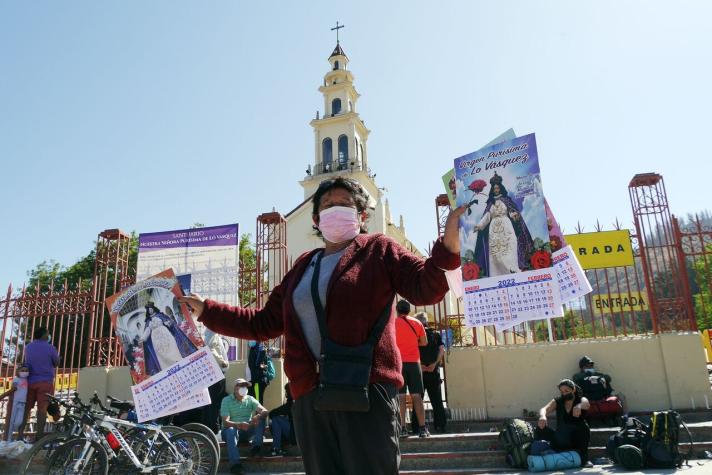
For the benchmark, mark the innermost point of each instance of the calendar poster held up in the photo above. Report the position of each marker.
(504, 237)
(168, 361)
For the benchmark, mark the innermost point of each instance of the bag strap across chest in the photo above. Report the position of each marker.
(378, 328)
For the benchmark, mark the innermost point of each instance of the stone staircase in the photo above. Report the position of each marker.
(470, 447)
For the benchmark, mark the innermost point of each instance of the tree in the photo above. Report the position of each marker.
(248, 271)
(48, 272)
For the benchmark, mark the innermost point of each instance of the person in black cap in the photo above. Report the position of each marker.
(596, 386)
(572, 431)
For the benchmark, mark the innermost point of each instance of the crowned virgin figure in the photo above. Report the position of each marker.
(504, 244)
(163, 341)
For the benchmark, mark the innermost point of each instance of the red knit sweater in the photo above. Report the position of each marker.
(371, 269)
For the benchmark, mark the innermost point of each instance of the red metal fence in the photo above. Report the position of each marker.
(695, 240)
(63, 311)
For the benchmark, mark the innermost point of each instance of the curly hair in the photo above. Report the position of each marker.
(358, 193)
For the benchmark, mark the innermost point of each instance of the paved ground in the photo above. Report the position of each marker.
(697, 467)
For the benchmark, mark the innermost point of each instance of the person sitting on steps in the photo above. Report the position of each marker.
(572, 431)
(281, 424)
(606, 404)
(243, 419)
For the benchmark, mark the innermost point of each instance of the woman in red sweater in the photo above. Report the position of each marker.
(356, 276)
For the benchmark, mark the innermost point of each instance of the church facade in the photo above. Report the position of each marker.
(340, 149)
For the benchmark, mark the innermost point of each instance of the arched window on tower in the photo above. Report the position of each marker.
(356, 152)
(351, 106)
(335, 106)
(343, 152)
(363, 159)
(326, 154)
(336, 65)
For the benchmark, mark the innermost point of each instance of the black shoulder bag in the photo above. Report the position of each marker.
(344, 371)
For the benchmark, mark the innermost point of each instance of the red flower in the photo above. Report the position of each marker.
(555, 242)
(541, 260)
(470, 271)
(477, 186)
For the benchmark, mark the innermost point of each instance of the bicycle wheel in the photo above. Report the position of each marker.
(193, 450)
(172, 430)
(89, 456)
(205, 430)
(37, 458)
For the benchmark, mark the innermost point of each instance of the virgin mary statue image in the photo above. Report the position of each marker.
(163, 342)
(504, 244)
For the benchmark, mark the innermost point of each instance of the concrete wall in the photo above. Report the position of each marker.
(117, 382)
(653, 372)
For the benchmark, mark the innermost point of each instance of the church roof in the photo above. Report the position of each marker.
(299, 206)
(337, 51)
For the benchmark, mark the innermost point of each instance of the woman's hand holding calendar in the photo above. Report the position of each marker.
(195, 303)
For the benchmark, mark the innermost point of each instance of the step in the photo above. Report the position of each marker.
(700, 467)
(495, 425)
(438, 461)
(435, 462)
(480, 441)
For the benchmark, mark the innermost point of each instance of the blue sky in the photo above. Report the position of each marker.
(150, 116)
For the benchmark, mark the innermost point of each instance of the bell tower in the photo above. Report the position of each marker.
(340, 150)
(340, 136)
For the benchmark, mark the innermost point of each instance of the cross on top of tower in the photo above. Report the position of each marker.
(337, 28)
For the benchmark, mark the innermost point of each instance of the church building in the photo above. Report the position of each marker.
(340, 149)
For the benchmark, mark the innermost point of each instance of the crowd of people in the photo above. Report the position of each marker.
(354, 357)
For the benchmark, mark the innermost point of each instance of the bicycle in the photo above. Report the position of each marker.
(128, 408)
(103, 443)
(70, 426)
(205, 430)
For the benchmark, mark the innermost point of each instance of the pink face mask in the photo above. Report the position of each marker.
(339, 223)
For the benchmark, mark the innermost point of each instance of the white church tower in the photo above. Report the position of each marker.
(340, 149)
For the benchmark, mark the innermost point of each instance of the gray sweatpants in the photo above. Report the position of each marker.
(350, 443)
(16, 416)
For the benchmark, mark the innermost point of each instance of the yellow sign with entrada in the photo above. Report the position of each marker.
(617, 303)
(603, 249)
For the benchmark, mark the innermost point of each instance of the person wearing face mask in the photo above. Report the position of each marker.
(18, 398)
(346, 288)
(572, 431)
(606, 404)
(257, 361)
(243, 419)
(42, 359)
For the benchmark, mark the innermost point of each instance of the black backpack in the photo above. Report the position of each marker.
(662, 450)
(633, 433)
(658, 442)
(595, 387)
(429, 353)
(516, 438)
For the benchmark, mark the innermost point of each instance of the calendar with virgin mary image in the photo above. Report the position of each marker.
(156, 331)
(504, 230)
